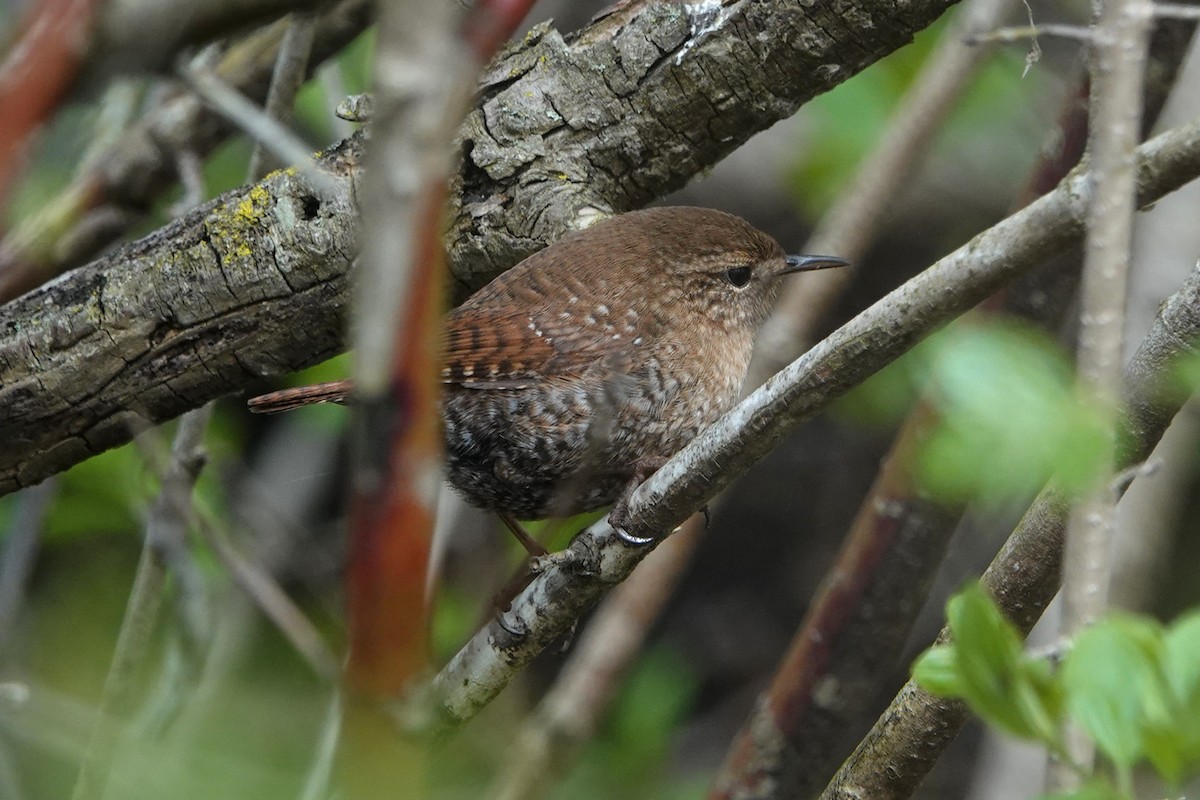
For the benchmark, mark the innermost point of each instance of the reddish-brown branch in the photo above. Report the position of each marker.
(38, 73)
(858, 620)
(392, 516)
(391, 521)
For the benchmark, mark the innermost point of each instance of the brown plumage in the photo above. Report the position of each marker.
(605, 352)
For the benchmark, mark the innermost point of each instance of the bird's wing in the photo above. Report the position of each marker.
(489, 349)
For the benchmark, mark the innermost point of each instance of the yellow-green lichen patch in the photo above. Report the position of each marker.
(232, 224)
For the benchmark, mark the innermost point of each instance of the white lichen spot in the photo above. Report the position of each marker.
(703, 17)
(590, 215)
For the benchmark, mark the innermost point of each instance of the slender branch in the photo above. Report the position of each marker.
(1177, 11)
(598, 558)
(19, 550)
(167, 523)
(427, 62)
(1021, 33)
(273, 601)
(171, 516)
(852, 635)
(266, 131)
(1119, 61)
(894, 757)
(569, 714)
(291, 67)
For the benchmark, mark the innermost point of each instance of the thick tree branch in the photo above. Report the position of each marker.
(251, 284)
(598, 558)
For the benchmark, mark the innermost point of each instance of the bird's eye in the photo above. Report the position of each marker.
(738, 276)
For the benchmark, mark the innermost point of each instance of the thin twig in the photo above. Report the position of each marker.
(1119, 63)
(320, 773)
(20, 549)
(568, 716)
(284, 144)
(291, 66)
(598, 558)
(117, 698)
(1177, 11)
(1021, 33)
(274, 602)
(190, 169)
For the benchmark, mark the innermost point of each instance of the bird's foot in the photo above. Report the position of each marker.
(619, 516)
(531, 545)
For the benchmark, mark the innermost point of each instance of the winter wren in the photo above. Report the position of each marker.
(572, 375)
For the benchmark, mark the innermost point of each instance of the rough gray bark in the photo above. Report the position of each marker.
(625, 110)
(634, 105)
(253, 283)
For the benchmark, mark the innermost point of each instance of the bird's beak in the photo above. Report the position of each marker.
(810, 263)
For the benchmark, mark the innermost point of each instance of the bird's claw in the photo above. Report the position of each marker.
(635, 541)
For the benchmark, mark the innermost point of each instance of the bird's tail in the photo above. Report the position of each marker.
(287, 399)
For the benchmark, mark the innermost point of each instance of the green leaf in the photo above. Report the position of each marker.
(1009, 415)
(936, 671)
(1163, 748)
(1106, 676)
(1038, 700)
(988, 657)
(1181, 660)
(1171, 732)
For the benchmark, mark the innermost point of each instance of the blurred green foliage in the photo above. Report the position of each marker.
(630, 755)
(845, 124)
(1008, 415)
(1131, 683)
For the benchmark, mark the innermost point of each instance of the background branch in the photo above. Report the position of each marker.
(912, 733)
(117, 187)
